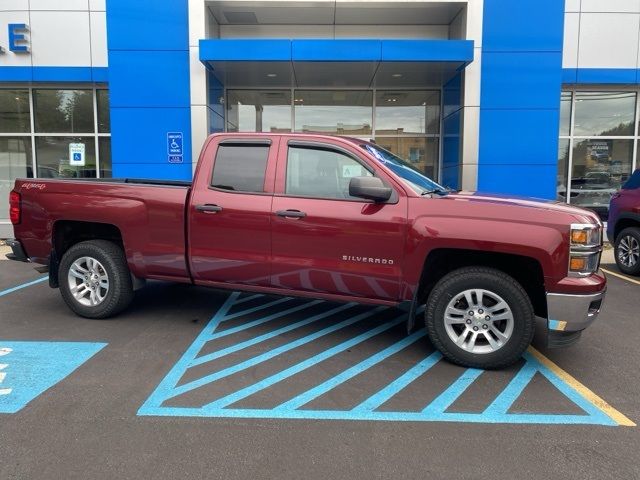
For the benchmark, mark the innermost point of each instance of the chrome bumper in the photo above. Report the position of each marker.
(572, 313)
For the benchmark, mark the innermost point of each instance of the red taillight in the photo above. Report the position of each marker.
(14, 207)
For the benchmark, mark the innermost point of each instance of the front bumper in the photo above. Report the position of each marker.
(17, 252)
(572, 313)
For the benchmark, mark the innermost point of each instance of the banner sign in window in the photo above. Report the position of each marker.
(76, 154)
(174, 147)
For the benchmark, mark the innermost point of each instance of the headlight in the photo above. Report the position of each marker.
(585, 235)
(585, 248)
(583, 263)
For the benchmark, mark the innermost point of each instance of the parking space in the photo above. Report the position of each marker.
(220, 384)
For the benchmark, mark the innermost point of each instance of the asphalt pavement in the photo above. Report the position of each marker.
(198, 383)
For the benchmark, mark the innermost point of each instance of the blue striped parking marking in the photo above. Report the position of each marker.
(24, 285)
(257, 375)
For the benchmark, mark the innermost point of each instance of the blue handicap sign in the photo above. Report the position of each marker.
(174, 143)
(27, 369)
(77, 156)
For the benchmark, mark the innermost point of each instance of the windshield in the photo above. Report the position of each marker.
(411, 176)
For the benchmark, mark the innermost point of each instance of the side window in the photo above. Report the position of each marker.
(321, 173)
(240, 168)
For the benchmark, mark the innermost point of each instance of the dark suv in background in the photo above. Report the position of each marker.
(623, 227)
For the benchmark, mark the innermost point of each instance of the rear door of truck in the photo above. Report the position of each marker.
(229, 215)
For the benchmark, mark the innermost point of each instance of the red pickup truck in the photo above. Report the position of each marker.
(327, 217)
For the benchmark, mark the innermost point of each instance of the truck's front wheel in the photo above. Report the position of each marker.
(94, 279)
(480, 317)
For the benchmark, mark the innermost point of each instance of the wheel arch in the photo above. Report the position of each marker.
(525, 270)
(625, 220)
(67, 233)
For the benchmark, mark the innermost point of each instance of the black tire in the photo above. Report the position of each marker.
(628, 235)
(120, 292)
(456, 282)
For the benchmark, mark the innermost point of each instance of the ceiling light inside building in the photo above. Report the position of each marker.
(272, 75)
(397, 75)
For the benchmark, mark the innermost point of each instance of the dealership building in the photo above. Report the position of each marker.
(530, 97)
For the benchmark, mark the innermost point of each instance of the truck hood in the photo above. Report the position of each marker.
(580, 214)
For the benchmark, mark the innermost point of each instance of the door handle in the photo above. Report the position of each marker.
(208, 208)
(291, 214)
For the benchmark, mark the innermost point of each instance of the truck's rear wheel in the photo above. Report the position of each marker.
(480, 317)
(627, 250)
(94, 279)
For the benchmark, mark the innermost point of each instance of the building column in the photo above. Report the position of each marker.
(520, 99)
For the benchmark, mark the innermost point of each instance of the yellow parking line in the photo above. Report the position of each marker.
(619, 275)
(598, 402)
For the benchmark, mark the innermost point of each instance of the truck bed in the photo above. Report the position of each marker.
(149, 216)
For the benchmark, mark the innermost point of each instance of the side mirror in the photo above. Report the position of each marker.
(371, 188)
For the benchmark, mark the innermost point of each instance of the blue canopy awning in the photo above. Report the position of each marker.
(340, 62)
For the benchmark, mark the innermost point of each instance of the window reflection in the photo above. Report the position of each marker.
(14, 111)
(420, 152)
(565, 113)
(15, 162)
(604, 113)
(52, 157)
(599, 168)
(259, 111)
(334, 112)
(63, 111)
(407, 112)
(563, 169)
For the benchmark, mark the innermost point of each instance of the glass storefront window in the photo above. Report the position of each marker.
(605, 114)
(421, 152)
(563, 169)
(15, 162)
(104, 119)
(599, 168)
(405, 112)
(565, 113)
(339, 112)
(52, 157)
(104, 149)
(15, 115)
(63, 111)
(259, 111)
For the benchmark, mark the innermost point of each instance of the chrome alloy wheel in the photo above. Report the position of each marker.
(88, 281)
(629, 251)
(478, 321)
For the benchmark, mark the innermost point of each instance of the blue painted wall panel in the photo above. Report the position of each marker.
(521, 79)
(452, 95)
(147, 25)
(336, 50)
(520, 96)
(514, 137)
(150, 127)
(606, 75)
(427, 50)
(237, 49)
(53, 74)
(526, 180)
(522, 25)
(149, 84)
(153, 78)
(451, 150)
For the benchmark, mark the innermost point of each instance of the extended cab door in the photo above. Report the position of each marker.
(324, 240)
(229, 213)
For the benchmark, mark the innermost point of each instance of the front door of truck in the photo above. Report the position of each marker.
(323, 239)
(230, 212)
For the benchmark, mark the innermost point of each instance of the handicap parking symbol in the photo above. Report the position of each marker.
(174, 143)
(28, 369)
